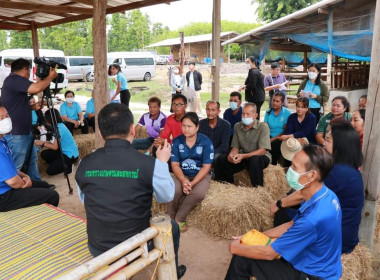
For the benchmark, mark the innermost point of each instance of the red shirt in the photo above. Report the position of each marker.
(172, 128)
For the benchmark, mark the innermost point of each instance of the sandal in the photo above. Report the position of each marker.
(183, 227)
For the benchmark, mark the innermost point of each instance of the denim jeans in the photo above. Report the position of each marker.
(142, 143)
(19, 146)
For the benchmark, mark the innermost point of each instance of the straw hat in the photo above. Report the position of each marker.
(289, 148)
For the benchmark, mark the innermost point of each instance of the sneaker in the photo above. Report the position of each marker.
(181, 270)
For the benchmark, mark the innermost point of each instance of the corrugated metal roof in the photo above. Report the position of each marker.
(19, 14)
(193, 39)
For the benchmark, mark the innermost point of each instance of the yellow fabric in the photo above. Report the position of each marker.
(41, 242)
(254, 237)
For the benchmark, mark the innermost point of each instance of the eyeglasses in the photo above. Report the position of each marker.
(177, 104)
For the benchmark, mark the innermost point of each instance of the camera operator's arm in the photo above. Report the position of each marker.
(41, 85)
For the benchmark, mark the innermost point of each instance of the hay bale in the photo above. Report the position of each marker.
(274, 180)
(358, 264)
(142, 133)
(377, 229)
(229, 210)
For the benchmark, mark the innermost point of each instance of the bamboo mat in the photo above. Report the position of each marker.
(41, 242)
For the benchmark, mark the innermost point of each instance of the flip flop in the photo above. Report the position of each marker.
(183, 227)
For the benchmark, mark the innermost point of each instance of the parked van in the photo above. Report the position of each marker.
(134, 65)
(8, 56)
(75, 64)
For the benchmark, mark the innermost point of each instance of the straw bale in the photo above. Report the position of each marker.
(229, 210)
(358, 264)
(274, 180)
(377, 229)
(142, 133)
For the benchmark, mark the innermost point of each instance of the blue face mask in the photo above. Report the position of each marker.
(293, 177)
(247, 121)
(233, 105)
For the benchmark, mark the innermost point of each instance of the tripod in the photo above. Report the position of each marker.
(49, 101)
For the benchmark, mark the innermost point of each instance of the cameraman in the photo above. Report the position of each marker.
(14, 97)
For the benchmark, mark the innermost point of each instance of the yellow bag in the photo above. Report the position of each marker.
(254, 237)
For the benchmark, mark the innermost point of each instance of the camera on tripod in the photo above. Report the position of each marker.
(43, 69)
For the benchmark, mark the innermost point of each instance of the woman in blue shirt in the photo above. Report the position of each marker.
(52, 154)
(314, 89)
(192, 156)
(344, 180)
(72, 114)
(122, 84)
(301, 124)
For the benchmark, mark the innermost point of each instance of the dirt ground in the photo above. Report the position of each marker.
(204, 257)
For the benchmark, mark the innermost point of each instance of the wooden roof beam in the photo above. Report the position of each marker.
(17, 20)
(12, 26)
(86, 2)
(44, 8)
(290, 48)
(136, 5)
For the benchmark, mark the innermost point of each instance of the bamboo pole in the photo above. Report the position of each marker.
(164, 241)
(215, 62)
(36, 46)
(371, 141)
(111, 255)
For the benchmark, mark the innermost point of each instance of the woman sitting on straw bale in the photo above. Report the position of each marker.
(345, 180)
(52, 154)
(192, 156)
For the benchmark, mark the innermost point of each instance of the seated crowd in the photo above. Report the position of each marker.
(317, 221)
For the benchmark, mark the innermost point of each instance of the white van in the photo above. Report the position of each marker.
(75, 64)
(135, 66)
(8, 56)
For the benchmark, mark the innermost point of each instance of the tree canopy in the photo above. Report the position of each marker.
(270, 10)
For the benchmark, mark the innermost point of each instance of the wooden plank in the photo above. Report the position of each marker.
(44, 8)
(12, 26)
(100, 62)
(136, 5)
(215, 64)
(371, 141)
(290, 48)
(14, 19)
(86, 2)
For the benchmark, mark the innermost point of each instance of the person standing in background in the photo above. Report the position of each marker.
(122, 84)
(194, 81)
(276, 82)
(177, 81)
(254, 84)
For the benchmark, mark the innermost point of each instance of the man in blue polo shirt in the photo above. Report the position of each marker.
(90, 112)
(310, 245)
(154, 122)
(234, 113)
(17, 190)
(276, 118)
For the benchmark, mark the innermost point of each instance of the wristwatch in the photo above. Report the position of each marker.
(279, 204)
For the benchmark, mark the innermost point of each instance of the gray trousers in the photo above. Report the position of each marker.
(182, 204)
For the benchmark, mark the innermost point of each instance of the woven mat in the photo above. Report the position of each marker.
(41, 242)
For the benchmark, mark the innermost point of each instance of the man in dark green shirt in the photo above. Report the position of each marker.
(250, 149)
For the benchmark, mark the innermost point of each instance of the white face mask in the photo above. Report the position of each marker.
(176, 71)
(248, 66)
(5, 126)
(70, 99)
(312, 75)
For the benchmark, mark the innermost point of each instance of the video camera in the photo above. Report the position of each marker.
(43, 68)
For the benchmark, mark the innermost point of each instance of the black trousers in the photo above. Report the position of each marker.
(243, 268)
(225, 170)
(258, 106)
(84, 129)
(53, 158)
(276, 151)
(316, 113)
(91, 122)
(39, 193)
(125, 96)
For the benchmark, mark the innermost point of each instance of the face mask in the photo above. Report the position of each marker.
(247, 121)
(312, 75)
(176, 71)
(5, 126)
(233, 105)
(248, 66)
(293, 177)
(70, 99)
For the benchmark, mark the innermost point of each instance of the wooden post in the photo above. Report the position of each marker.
(371, 141)
(330, 43)
(189, 53)
(304, 61)
(215, 61)
(36, 46)
(101, 95)
(181, 52)
(164, 241)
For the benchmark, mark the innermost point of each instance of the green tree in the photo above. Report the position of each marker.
(117, 37)
(270, 10)
(138, 30)
(21, 40)
(3, 40)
